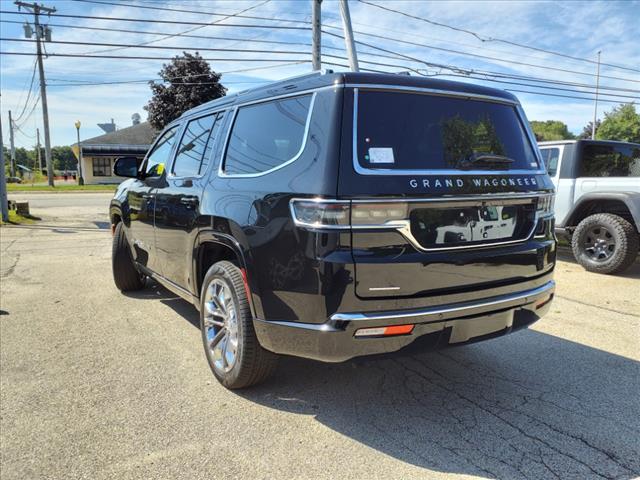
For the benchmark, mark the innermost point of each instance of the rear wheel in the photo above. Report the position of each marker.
(605, 243)
(230, 342)
(125, 275)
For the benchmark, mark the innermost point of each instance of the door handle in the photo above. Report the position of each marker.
(189, 201)
(147, 196)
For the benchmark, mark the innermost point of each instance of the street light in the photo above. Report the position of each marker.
(80, 179)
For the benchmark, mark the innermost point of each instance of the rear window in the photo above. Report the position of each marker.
(550, 156)
(408, 131)
(610, 161)
(266, 135)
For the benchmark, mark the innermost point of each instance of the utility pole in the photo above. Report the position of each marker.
(42, 34)
(12, 165)
(348, 35)
(4, 208)
(316, 42)
(39, 153)
(595, 108)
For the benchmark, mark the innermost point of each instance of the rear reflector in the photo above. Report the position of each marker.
(544, 302)
(384, 331)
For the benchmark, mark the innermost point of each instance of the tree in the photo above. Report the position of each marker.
(551, 130)
(188, 81)
(621, 123)
(588, 128)
(63, 158)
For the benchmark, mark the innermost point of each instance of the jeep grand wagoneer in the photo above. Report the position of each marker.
(341, 214)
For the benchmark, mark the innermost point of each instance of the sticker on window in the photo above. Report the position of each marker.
(381, 155)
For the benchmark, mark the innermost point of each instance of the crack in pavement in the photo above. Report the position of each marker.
(613, 310)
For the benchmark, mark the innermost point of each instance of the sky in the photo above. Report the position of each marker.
(484, 29)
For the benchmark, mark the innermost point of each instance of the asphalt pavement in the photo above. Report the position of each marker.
(99, 385)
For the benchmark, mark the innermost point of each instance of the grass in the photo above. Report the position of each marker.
(25, 187)
(16, 219)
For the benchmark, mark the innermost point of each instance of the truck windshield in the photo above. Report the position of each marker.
(409, 131)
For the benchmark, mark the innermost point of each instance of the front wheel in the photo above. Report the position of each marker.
(605, 243)
(230, 343)
(125, 275)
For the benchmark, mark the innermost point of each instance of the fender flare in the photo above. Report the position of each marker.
(630, 199)
(226, 240)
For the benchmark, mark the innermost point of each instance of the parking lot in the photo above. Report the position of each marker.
(97, 384)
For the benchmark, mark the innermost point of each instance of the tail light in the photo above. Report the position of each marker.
(342, 214)
(321, 213)
(545, 205)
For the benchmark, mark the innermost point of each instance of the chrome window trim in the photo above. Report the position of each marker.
(305, 135)
(388, 171)
(170, 174)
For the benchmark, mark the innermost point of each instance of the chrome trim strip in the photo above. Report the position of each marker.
(464, 309)
(387, 171)
(404, 226)
(223, 174)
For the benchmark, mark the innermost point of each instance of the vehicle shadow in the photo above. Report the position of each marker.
(528, 405)
(564, 254)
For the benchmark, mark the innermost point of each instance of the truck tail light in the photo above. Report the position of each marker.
(376, 215)
(321, 213)
(545, 204)
(318, 213)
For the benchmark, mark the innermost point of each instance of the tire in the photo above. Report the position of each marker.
(225, 320)
(605, 243)
(125, 275)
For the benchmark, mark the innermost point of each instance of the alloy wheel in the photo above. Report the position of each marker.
(599, 244)
(221, 325)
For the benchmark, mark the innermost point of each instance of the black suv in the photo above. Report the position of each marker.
(341, 214)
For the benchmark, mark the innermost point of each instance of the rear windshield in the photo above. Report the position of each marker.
(408, 131)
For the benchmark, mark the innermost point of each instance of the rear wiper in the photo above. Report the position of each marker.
(487, 158)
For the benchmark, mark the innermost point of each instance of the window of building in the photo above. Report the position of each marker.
(195, 147)
(102, 167)
(266, 135)
(550, 157)
(610, 161)
(156, 160)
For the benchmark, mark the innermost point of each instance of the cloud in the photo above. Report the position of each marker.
(578, 28)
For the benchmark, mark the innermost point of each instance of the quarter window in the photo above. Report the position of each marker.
(267, 135)
(156, 160)
(194, 147)
(550, 157)
(610, 161)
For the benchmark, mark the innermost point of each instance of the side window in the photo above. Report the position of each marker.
(610, 161)
(194, 147)
(550, 157)
(266, 135)
(158, 157)
(206, 158)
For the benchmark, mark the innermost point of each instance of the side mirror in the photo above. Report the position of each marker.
(126, 167)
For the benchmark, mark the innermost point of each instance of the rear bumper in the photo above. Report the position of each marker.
(335, 341)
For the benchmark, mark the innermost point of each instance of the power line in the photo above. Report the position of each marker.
(158, 47)
(190, 29)
(384, 37)
(169, 22)
(198, 12)
(74, 55)
(483, 38)
(26, 102)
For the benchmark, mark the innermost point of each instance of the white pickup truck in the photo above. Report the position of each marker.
(597, 200)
